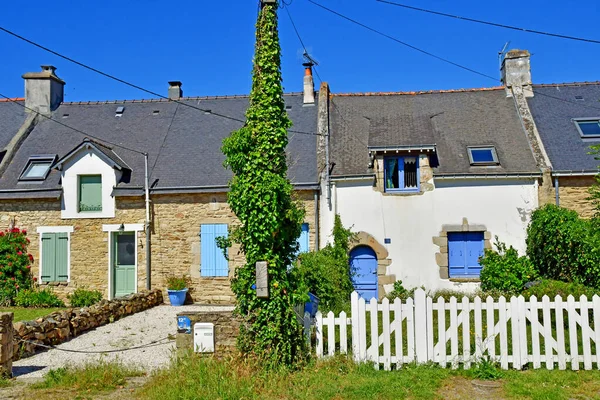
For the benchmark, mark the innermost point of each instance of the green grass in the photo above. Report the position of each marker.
(27, 314)
(90, 378)
(552, 385)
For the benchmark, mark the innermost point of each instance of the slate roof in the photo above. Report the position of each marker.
(553, 107)
(183, 144)
(12, 117)
(452, 120)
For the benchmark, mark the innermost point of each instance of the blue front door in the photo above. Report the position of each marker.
(363, 262)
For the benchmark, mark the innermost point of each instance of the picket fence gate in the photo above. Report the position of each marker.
(513, 333)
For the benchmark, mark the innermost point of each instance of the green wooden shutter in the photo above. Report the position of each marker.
(62, 261)
(48, 257)
(90, 193)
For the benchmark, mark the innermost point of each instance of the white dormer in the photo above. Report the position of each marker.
(88, 175)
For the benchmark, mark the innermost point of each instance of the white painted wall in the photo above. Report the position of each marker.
(503, 206)
(87, 162)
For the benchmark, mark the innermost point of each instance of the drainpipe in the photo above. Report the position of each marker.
(316, 220)
(557, 197)
(148, 252)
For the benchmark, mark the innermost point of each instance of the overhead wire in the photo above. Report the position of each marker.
(110, 76)
(516, 28)
(300, 38)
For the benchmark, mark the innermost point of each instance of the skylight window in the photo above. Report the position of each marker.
(588, 127)
(484, 155)
(37, 168)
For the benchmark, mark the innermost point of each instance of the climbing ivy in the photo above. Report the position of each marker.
(270, 219)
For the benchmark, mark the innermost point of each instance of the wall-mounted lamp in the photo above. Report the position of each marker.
(121, 228)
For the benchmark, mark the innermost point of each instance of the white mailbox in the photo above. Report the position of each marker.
(204, 337)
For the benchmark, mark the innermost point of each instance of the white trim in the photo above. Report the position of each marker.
(54, 229)
(128, 227)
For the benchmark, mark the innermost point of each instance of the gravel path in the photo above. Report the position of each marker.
(139, 329)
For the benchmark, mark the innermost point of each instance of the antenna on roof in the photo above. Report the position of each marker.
(501, 54)
(309, 59)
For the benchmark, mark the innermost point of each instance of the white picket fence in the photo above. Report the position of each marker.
(514, 332)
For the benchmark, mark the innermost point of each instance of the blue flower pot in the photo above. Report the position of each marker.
(177, 297)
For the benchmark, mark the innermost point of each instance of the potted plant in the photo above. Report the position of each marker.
(177, 287)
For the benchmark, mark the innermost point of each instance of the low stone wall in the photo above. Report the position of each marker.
(59, 326)
(227, 328)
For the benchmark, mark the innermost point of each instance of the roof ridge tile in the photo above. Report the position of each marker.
(413, 93)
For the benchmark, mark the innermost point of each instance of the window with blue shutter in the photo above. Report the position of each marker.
(303, 246)
(401, 174)
(464, 250)
(213, 263)
(55, 257)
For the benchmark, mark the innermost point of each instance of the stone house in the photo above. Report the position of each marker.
(77, 185)
(429, 179)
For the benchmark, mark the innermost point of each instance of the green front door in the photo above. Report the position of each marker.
(123, 263)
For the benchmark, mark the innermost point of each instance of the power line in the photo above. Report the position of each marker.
(490, 23)
(300, 38)
(206, 111)
(70, 127)
(403, 43)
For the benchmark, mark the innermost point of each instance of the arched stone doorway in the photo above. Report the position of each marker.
(381, 255)
(363, 262)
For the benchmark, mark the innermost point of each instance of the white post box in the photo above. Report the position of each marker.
(204, 337)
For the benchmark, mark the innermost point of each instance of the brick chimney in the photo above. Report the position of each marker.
(516, 70)
(309, 84)
(44, 91)
(175, 91)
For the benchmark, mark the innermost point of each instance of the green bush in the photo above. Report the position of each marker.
(82, 297)
(553, 288)
(177, 282)
(38, 298)
(503, 270)
(563, 246)
(15, 264)
(326, 273)
(399, 292)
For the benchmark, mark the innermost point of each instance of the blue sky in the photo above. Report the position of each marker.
(208, 45)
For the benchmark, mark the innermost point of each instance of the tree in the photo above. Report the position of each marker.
(261, 197)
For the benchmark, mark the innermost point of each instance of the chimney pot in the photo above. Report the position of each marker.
(175, 91)
(44, 91)
(309, 84)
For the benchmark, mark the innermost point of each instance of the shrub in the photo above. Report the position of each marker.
(82, 297)
(553, 288)
(39, 298)
(399, 292)
(177, 282)
(15, 264)
(563, 246)
(326, 273)
(504, 270)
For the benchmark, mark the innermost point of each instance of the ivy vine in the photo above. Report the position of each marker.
(270, 219)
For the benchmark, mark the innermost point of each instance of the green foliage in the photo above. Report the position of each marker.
(261, 197)
(38, 298)
(563, 246)
(486, 369)
(15, 264)
(326, 272)
(82, 297)
(400, 292)
(504, 270)
(552, 288)
(178, 282)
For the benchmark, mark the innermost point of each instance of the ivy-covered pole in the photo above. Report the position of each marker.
(261, 197)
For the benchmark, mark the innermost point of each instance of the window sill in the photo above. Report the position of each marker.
(402, 191)
(465, 280)
(55, 283)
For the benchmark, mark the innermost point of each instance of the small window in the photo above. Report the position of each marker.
(483, 155)
(90, 193)
(37, 168)
(589, 127)
(402, 174)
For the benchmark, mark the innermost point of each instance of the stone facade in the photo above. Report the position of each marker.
(6, 344)
(573, 193)
(441, 257)
(226, 326)
(59, 326)
(425, 174)
(175, 238)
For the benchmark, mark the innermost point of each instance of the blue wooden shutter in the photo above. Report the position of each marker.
(62, 252)
(303, 240)
(48, 257)
(456, 254)
(401, 182)
(213, 262)
(474, 250)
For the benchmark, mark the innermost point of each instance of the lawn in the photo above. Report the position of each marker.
(338, 378)
(28, 314)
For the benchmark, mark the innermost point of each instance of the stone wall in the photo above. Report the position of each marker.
(573, 194)
(59, 326)
(6, 344)
(227, 328)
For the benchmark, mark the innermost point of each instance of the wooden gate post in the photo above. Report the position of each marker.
(6, 344)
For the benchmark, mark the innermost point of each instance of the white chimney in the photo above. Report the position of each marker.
(516, 70)
(309, 84)
(175, 91)
(44, 91)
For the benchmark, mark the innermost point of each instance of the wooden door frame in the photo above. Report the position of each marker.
(111, 229)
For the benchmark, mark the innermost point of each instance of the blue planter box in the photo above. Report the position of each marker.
(177, 297)
(312, 305)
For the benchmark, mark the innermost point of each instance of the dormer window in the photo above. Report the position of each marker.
(37, 168)
(588, 127)
(402, 174)
(90, 193)
(483, 155)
